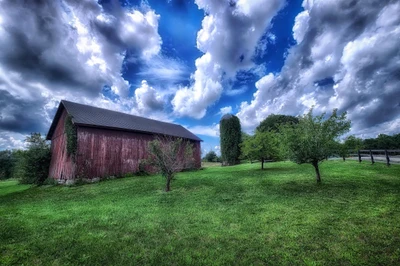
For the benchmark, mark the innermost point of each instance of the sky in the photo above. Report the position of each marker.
(190, 62)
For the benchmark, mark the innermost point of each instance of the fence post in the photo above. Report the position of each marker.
(387, 158)
(359, 156)
(372, 157)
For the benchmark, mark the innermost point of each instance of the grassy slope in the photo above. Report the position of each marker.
(231, 215)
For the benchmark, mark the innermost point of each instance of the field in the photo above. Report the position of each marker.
(237, 215)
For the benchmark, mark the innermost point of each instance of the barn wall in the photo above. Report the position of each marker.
(62, 166)
(105, 152)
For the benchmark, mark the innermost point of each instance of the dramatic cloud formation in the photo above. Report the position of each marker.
(228, 38)
(347, 57)
(66, 49)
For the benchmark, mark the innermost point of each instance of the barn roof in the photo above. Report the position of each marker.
(90, 116)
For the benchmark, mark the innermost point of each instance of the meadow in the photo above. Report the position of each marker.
(238, 215)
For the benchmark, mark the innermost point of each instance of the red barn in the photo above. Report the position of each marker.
(108, 143)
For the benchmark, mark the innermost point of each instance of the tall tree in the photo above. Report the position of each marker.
(262, 146)
(170, 155)
(230, 138)
(313, 139)
(273, 122)
(36, 160)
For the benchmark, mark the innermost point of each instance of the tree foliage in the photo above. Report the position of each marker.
(383, 141)
(230, 138)
(71, 134)
(35, 161)
(262, 146)
(274, 122)
(350, 144)
(211, 156)
(7, 164)
(313, 139)
(169, 156)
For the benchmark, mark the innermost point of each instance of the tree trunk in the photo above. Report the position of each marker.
(168, 187)
(344, 159)
(318, 176)
(262, 163)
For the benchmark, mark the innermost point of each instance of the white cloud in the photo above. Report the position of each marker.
(210, 131)
(228, 38)
(11, 140)
(193, 101)
(147, 99)
(300, 26)
(164, 70)
(353, 54)
(225, 110)
(69, 50)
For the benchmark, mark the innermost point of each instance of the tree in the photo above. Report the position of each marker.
(7, 163)
(211, 156)
(312, 140)
(36, 160)
(170, 155)
(274, 122)
(230, 138)
(262, 146)
(351, 143)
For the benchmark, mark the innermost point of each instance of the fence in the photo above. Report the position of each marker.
(387, 156)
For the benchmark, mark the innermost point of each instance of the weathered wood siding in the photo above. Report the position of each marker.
(62, 166)
(106, 152)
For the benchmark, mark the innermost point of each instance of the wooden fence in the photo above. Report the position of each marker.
(387, 156)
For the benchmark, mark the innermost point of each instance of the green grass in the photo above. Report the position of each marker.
(233, 215)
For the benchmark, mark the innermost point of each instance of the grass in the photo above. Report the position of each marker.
(233, 215)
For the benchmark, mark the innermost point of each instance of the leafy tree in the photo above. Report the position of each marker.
(169, 156)
(274, 122)
(312, 140)
(262, 146)
(19, 171)
(36, 160)
(211, 156)
(230, 138)
(7, 163)
(351, 143)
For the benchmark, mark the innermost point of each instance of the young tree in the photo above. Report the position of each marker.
(211, 156)
(230, 138)
(262, 146)
(313, 138)
(170, 155)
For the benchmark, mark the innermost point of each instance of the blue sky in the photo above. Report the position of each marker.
(189, 62)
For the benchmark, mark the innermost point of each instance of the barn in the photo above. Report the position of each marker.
(106, 142)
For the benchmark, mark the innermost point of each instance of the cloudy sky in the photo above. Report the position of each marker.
(189, 62)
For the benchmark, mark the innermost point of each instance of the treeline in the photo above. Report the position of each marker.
(382, 142)
(30, 166)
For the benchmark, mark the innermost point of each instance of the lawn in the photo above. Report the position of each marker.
(237, 215)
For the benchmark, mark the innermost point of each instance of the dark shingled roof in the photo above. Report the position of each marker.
(85, 115)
